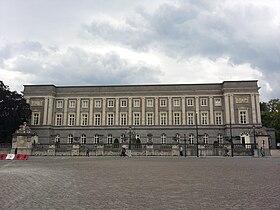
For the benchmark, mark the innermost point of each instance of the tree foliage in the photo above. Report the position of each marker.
(13, 112)
(270, 113)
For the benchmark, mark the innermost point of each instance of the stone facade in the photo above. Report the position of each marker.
(155, 113)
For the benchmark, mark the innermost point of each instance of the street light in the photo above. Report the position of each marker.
(196, 126)
(185, 140)
(255, 143)
(129, 143)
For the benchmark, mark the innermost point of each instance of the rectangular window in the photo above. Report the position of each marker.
(190, 118)
(36, 118)
(176, 118)
(84, 119)
(123, 119)
(150, 118)
(243, 117)
(59, 104)
(97, 104)
(58, 119)
(203, 101)
(204, 118)
(218, 102)
(123, 103)
(72, 104)
(136, 118)
(176, 102)
(163, 118)
(218, 118)
(136, 102)
(190, 102)
(97, 119)
(162, 102)
(110, 103)
(150, 102)
(84, 103)
(110, 119)
(71, 119)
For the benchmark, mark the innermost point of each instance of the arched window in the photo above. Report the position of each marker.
(220, 139)
(163, 138)
(96, 139)
(83, 139)
(191, 138)
(109, 139)
(205, 138)
(57, 138)
(178, 137)
(123, 138)
(70, 139)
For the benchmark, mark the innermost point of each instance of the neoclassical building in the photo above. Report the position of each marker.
(159, 113)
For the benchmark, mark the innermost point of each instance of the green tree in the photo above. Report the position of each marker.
(270, 113)
(13, 112)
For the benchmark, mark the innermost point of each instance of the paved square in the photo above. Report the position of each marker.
(140, 183)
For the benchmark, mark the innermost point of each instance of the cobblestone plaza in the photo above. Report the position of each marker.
(140, 183)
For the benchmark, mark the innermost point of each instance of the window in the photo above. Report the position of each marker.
(218, 102)
(110, 103)
(150, 102)
(57, 138)
(58, 119)
(220, 139)
(243, 117)
(84, 103)
(177, 137)
(204, 118)
(96, 139)
(136, 102)
(71, 119)
(83, 139)
(123, 119)
(123, 103)
(110, 119)
(123, 138)
(190, 102)
(176, 102)
(191, 138)
(163, 118)
(59, 103)
(97, 119)
(218, 118)
(162, 102)
(176, 118)
(205, 138)
(72, 104)
(84, 119)
(136, 118)
(36, 118)
(70, 139)
(163, 138)
(203, 101)
(110, 139)
(150, 118)
(190, 117)
(97, 104)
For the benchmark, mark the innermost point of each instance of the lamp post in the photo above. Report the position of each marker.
(185, 140)
(255, 143)
(196, 126)
(129, 141)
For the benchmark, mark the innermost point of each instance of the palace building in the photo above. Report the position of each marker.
(161, 113)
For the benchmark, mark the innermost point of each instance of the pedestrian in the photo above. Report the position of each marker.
(123, 152)
(226, 152)
(262, 152)
(15, 150)
(87, 152)
(181, 151)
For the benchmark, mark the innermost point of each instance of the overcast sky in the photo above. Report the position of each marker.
(97, 42)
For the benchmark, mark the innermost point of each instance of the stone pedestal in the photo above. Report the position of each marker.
(51, 150)
(99, 150)
(149, 150)
(76, 150)
(175, 150)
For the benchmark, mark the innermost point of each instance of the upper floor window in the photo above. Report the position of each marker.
(136, 118)
(59, 103)
(162, 102)
(58, 119)
(190, 118)
(71, 119)
(176, 102)
(97, 104)
(72, 104)
(123, 119)
(97, 119)
(136, 102)
(176, 118)
(163, 118)
(203, 101)
(84, 119)
(123, 102)
(190, 102)
(110, 103)
(110, 119)
(36, 118)
(204, 118)
(243, 117)
(218, 118)
(150, 118)
(218, 102)
(84, 103)
(150, 102)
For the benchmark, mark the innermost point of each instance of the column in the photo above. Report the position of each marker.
(169, 110)
(227, 108)
(50, 111)
(197, 110)
(65, 112)
(258, 109)
(103, 122)
(156, 110)
(90, 111)
(129, 111)
(211, 110)
(45, 111)
(232, 115)
(183, 111)
(254, 114)
(143, 103)
(78, 111)
(117, 112)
